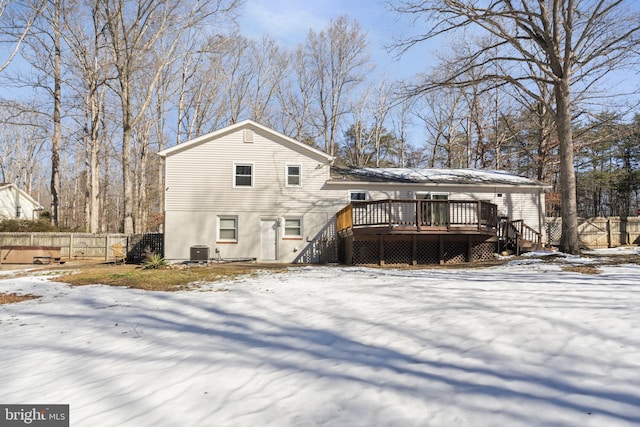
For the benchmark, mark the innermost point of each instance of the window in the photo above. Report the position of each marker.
(294, 173)
(227, 228)
(242, 175)
(436, 212)
(292, 228)
(355, 196)
(431, 196)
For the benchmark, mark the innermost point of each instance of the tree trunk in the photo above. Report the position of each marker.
(127, 181)
(569, 242)
(55, 139)
(94, 166)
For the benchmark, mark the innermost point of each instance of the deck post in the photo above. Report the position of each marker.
(469, 248)
(414, 250)
(381, 243)
(418, 214)
(440, 249)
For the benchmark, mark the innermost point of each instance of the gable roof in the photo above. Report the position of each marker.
(241, 125)
(8, 186)
(430, 176)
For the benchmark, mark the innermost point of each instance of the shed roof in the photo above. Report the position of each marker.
(431, 176)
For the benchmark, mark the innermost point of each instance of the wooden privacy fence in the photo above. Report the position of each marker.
(89, 246)
(599, 232)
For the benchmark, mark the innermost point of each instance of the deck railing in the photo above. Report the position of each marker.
(513, 232)
(421, 215)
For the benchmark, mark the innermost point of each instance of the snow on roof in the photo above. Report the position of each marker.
(434, 176)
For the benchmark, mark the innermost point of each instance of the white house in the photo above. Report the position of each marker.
(17, 204)
(249, 192)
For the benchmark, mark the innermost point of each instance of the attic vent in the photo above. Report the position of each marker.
(248, 135)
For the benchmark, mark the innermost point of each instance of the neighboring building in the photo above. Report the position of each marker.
(17, 204)
(249, 192)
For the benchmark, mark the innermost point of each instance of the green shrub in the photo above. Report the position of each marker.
(23, 225)
(153, 261)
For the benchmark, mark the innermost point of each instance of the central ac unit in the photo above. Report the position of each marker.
(199, 253)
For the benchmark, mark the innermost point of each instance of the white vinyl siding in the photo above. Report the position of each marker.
(202, 178)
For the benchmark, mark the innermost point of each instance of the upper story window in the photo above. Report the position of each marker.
(294, 175)
(356, 196)
(243, 175)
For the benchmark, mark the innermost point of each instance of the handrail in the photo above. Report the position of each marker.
(344, 218)
(420, 214)
(515, 231)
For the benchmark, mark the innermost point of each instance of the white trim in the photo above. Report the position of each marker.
(222, 217)
(413, 185)
(431, 194)
(284, 227)
(366, 195)
(253, 174)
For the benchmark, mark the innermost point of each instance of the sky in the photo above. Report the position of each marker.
(533, 342)
(289, 22)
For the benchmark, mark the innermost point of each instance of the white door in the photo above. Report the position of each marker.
(268, 239)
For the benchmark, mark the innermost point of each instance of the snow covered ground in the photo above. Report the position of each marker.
(524, 344)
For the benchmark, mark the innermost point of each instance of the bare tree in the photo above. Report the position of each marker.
(440, 112)
(43, 51)
(339, 59)
(400, 114)
(295, 96)
(572, 43)
(17, 29)
(143, 36)
(23, 134)
(266, 60)
(89, 70)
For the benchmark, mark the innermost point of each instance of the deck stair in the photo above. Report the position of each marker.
(519, 237)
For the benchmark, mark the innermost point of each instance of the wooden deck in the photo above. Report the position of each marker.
(417, 231)
(418, 217)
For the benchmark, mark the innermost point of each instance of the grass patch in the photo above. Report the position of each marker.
(584, 269)
(169, 278)
(11, 298)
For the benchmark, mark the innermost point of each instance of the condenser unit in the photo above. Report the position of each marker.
(199, 253)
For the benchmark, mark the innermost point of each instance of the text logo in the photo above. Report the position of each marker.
(34, 415)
